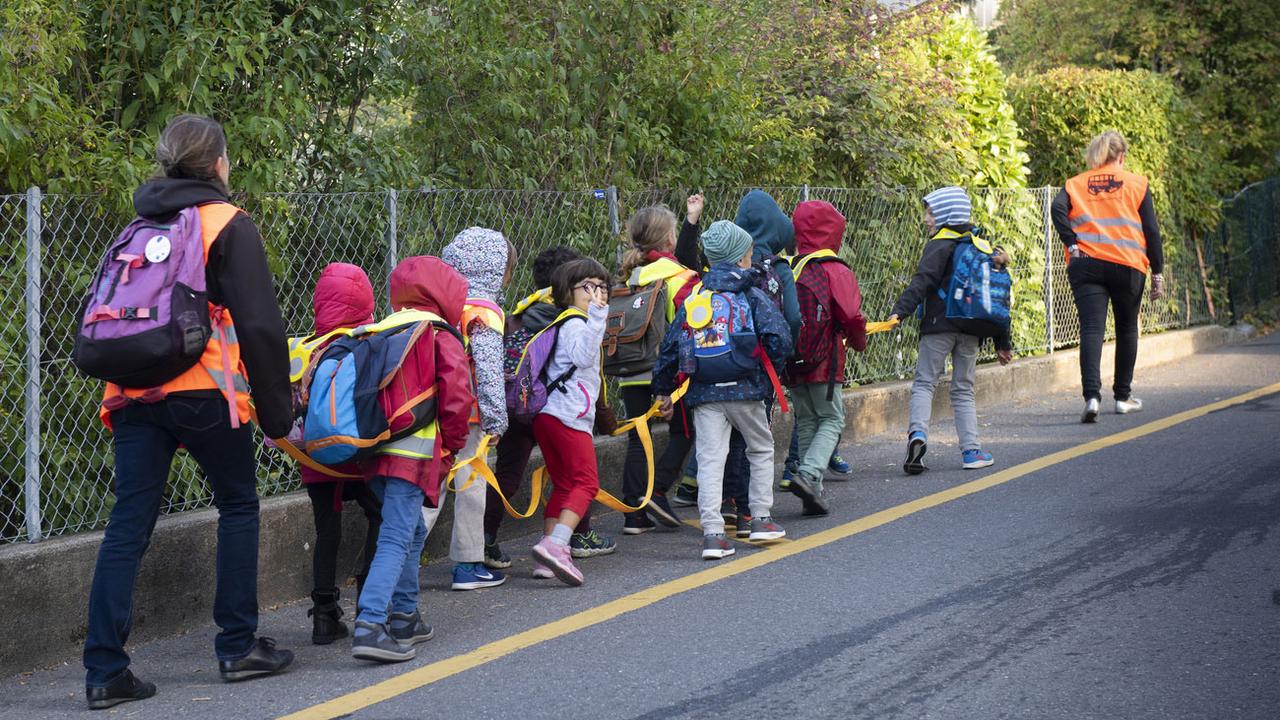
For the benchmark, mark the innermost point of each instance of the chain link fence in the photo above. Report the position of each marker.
(56, 460)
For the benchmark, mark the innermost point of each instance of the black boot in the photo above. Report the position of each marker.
(326, 626)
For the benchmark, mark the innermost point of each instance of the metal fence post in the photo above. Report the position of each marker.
(804, 193)
(393, 240)
(1048, 268)
(615, 226)
(32, 410)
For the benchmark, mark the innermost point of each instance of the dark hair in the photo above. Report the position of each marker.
(188, 148)
(546, 262)
(572, 273)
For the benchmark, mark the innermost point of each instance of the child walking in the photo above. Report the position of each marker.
(486, 260)
(531, 315)
(650, 259)
(832, 321)
(563, 427)
(343, 299)
(947, 219)
(406, 472)
(715, 340)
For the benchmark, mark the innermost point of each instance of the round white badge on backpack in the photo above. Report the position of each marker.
(158, 249)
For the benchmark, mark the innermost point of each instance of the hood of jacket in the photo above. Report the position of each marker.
(480, 254)
(727, 277)
(539, 315)
(771, 230)
(343, 298)
(425, 282)
(819, 226)
(162, 198)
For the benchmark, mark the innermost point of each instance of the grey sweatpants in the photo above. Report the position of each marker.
(713, 423)
(934, 349)
(467, 544)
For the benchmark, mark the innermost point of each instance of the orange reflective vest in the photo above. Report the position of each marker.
(491, 316)
(1104, 215)
(219, 367)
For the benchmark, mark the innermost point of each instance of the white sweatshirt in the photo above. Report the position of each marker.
(579, 347)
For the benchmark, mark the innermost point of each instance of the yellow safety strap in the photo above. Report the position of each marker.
(879, 327)
(480, 466)
(804, 260)
(302, 458)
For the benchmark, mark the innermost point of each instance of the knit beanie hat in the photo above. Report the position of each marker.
(950, 206)
(725, 242)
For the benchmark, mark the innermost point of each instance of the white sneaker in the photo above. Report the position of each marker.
(1132, 405)
(1090, 414)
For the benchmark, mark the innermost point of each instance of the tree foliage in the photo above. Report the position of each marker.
(1223, 54)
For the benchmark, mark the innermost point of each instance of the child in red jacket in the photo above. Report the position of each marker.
(406, 472)
(832, 322)
(343, 299)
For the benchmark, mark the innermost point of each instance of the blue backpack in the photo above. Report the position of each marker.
(346, 419)
(977, 295)
(720, 343)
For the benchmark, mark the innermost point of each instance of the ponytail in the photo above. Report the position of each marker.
(1105, 149)
(649, 230)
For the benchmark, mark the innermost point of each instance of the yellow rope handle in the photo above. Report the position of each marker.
(641, 426)
(479, 463)
(879, 327)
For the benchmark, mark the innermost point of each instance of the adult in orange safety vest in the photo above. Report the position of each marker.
(206, 411)
(1107, 222)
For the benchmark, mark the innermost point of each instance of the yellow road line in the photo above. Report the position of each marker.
(441, 669)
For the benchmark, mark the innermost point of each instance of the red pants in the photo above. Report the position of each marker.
(571, 462)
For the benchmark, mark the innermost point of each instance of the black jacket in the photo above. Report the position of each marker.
(931, 274)
(238, 279)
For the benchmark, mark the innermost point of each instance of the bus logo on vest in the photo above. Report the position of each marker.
(1104, 184)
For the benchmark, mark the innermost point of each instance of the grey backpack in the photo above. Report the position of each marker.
(634, 329)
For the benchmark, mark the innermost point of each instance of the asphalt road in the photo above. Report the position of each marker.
(1140, 580)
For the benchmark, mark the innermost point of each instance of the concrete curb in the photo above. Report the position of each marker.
(48, 582)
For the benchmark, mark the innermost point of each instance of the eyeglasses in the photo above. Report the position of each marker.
(592, 287)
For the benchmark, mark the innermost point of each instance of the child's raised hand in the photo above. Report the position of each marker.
(693, 208)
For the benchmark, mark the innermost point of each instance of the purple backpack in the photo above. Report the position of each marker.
(146, 320)
(529, 387)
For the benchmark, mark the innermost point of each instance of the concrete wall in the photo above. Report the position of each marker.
(47, 584)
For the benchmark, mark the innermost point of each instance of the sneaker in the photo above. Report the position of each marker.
(473, 576)
(660, 510)
(125, 688)
(716, 547)
(743, 528)
(1090, 414)
(821, 504)
(814, 504)
(1132, 405)
(541, 572)
(637, 523)
(838, 465)
(408, 628)
(591, 544)
(764, 528)
(493, 555)
(558, 560)
(729, 511)
(371, 641)
(975, 459)
(263, 659)
(685, 495)
(917, 446)
(788, 474)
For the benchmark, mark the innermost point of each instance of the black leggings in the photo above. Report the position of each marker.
(324, 561)
(1095, 283)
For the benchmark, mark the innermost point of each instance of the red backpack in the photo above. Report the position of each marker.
(816, 340)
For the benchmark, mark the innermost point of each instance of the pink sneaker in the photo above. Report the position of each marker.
(541, 572)
(558, 560)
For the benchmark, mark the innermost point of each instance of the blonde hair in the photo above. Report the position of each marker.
(649, 229)
(1105, 149)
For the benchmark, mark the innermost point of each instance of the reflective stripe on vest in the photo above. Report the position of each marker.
(543, 295)
(418, 446)
(1104, 215)
(208, 373)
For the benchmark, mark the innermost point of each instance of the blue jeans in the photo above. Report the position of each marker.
(145, 440)
(393, 575)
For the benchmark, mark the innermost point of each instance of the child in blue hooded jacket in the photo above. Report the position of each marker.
(721, 406)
